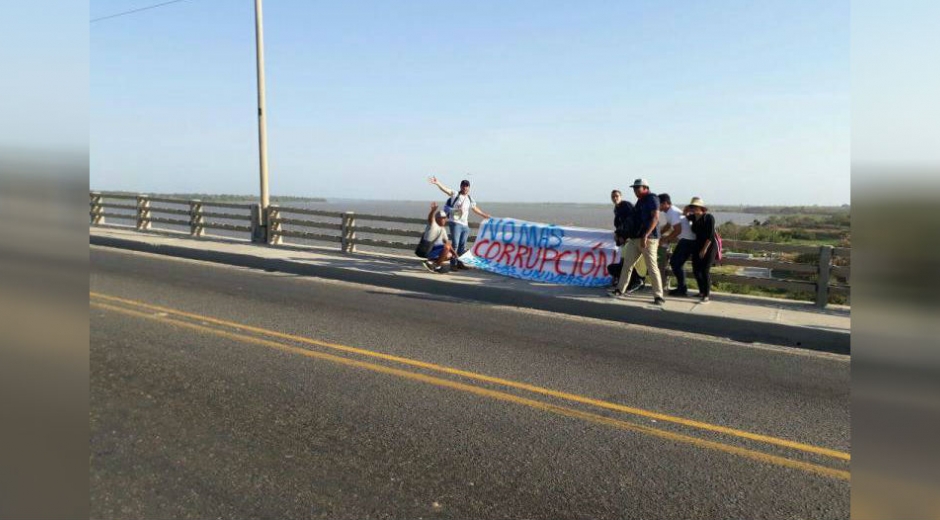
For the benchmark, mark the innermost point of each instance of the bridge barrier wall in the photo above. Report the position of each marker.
(819, 271)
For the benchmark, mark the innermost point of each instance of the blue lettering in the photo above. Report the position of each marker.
(509, 231)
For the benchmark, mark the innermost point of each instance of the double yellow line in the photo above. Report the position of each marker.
(180, 319)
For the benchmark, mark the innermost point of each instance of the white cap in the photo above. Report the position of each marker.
(640, 182)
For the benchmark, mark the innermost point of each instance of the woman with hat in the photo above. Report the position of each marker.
(706, 246)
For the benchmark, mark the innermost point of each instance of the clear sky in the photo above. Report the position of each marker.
(736, 101)
(44, 83)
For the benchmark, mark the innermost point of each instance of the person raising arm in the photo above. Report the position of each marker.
(464, 190)
(460, 204)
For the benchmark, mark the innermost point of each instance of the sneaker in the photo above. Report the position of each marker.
(615, 294)
(678, 292)
(429, 265)
(704, 299)
(442, 269)
(634, 288)
(659, 301)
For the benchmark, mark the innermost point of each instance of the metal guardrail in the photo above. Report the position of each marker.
(144, 213)
(349, 230)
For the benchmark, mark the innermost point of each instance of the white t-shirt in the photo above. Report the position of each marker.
(435, 234)
(674, 218)
(461, 212)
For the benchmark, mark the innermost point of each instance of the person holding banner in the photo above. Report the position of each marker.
(459, 205)
(643, 242)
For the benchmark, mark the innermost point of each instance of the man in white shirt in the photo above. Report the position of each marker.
(436, 233)
(678, 229)
(460, 204)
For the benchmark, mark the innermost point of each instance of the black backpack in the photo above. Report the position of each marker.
(625, 220)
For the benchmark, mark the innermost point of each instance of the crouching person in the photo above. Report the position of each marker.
(441, 250)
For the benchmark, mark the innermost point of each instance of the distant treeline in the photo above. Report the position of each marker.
(786, 210)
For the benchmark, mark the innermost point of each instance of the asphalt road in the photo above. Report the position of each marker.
(225, 392)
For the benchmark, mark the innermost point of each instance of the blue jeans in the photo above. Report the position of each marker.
(435, 252)
(459, 234)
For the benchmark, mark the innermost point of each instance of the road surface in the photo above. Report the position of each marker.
(226, 392)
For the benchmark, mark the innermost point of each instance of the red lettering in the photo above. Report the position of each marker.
(493, 245)
(558, 261)
(533, 260)
(520, 252)
(601, 263)
(507, 252)
(584, 260)
(546, 259)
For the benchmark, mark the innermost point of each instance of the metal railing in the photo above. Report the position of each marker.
(816, 275)
(147, 211)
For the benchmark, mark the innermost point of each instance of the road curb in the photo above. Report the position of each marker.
(809, 338)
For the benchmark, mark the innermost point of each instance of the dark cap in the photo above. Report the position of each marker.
(464, 182)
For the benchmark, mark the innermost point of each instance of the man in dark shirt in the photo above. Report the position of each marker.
(623, 226)
(643, 241)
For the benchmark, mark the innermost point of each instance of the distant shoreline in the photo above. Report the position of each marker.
(736, 208)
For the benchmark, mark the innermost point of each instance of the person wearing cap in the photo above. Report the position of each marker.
(623, 223)
(705, 250)
(460, 204)
(677, 228)
(643, 242)
(436, 234)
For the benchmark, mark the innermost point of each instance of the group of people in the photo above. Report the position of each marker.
(449, 227)
(644, 230)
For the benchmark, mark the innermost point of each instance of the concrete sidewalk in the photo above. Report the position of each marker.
(741, 318)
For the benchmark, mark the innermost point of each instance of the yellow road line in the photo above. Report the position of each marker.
(495, 394)
(504, 382)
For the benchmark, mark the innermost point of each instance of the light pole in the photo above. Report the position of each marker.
(262, 124)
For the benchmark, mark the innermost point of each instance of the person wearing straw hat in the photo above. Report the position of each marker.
(706, 247)
(643, 242)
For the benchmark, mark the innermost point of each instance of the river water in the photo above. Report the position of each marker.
(581, 215)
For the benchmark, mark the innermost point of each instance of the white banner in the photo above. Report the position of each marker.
(544, 252)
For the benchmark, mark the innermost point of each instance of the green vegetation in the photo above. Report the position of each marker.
(801, 225)
(814, 228)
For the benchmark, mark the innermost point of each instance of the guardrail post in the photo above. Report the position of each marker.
(196, 219)
(143, 213)
(348, 241)
(822, 278)
(96, 210)
(274, 226)
(259, 229)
